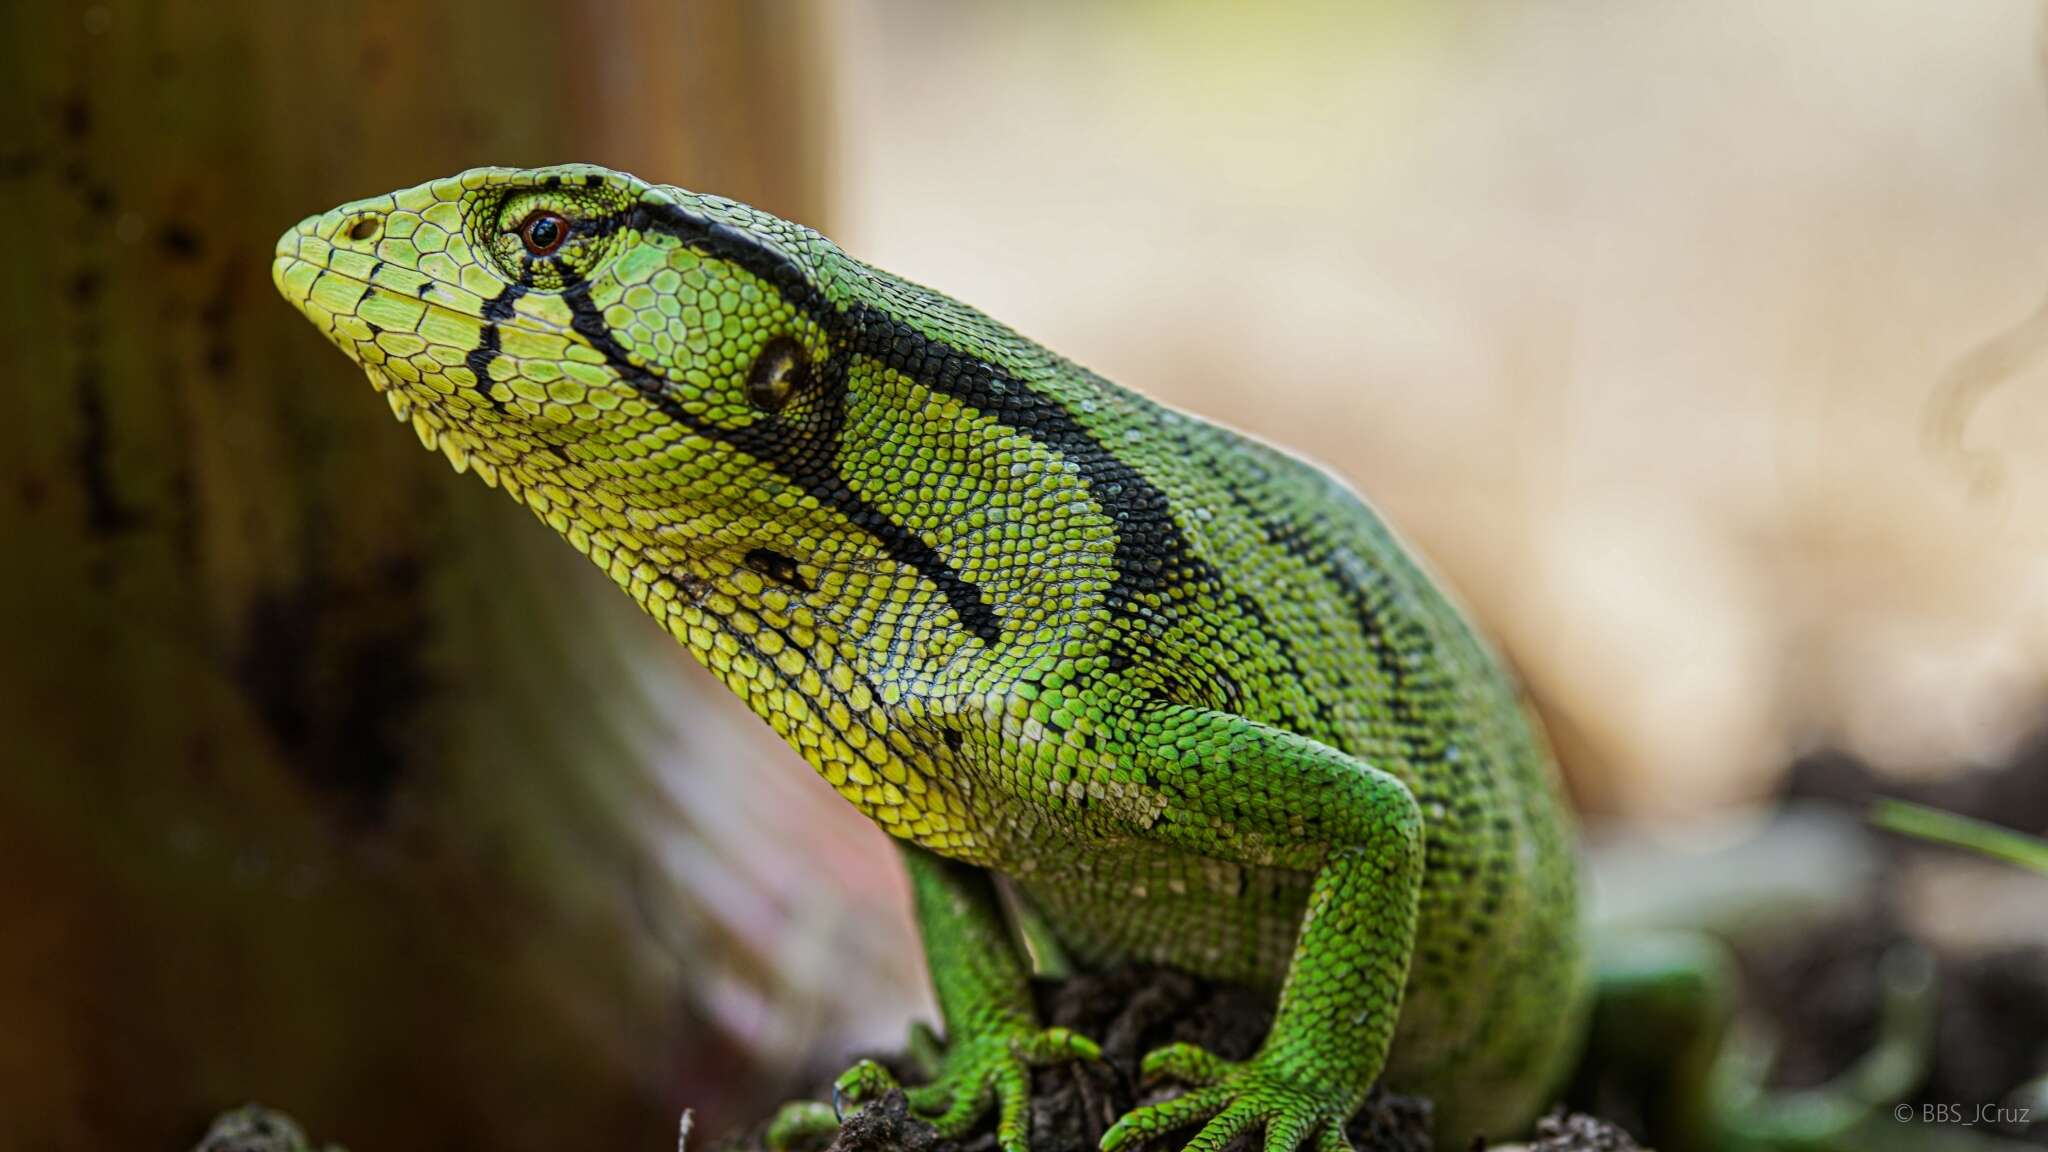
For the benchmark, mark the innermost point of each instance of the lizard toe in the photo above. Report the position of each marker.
(860, 1084)
(1142, 1124)
(1238, 1098)
(1057, 1046)
(934, 1099)
(1013, 1095)
(1332, 1139)
(1285, 1134)
(1190, 1064)
(1224, 1127)
(801, 1124)
(966, 1103)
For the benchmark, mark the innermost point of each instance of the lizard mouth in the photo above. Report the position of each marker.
(297, 278)
(427, 344)
(327, 267)
(403, 326)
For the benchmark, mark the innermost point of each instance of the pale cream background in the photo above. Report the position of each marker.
(1645, 318)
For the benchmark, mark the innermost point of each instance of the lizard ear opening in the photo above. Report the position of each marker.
(777, 373)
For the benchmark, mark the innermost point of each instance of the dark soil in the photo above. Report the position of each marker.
(2013, 794)
(1821, 992)
(1131, 1011)
(1577, 1132)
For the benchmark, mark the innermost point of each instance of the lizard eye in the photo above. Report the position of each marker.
(547, 238)
(543, 232)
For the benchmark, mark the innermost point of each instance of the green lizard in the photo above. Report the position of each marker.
(1186, 692)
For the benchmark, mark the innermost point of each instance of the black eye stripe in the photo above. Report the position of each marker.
(593, 227)
(580, 227)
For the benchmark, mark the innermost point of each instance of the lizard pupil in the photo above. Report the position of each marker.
(543, 232)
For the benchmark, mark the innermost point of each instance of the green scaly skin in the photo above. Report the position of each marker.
(1187, 692)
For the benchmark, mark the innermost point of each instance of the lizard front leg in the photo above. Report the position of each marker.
(993, 1039)
(1251, 794)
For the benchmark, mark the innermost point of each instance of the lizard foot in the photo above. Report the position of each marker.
(801, 1124)
(992, 1069)
(1230, 1099)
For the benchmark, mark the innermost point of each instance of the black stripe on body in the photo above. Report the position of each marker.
(1392, 641)
(722, 241)
(1389, 656)
(1294, 540)
(803, 451)
(1151, 553)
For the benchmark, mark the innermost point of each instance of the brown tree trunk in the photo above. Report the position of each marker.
(326, 778)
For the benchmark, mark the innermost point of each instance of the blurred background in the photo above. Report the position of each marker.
(1704, 349)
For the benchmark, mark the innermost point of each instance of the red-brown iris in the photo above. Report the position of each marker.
(543, 232)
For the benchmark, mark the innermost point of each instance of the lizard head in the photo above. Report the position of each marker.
(719, 407)
(614, 354)
(829, 484)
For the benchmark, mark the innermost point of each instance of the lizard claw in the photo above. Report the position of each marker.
(807, 1123)
(860, 1084)
(1140, 1125)
(1056, 1046)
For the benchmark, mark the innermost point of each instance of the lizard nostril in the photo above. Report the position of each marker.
(364, 229)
